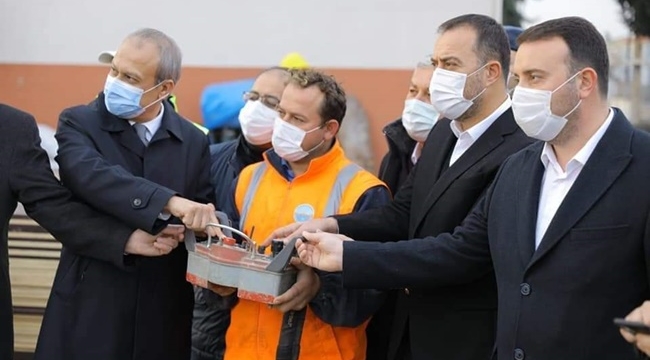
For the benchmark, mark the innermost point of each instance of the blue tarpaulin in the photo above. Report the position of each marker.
(221, 102)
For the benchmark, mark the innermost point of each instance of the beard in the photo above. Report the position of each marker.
(474, 88)
(568, 104)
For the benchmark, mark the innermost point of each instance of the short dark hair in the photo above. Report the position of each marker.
(587, 47)
(491, 39)
(334, 103)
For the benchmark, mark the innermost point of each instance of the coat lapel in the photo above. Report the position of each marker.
(169, 127)
(528, 190)
(125, 134)
(440, 142)
(492, 138)
(610, 157)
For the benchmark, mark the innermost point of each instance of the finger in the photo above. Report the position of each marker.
(628, 336)
(163, 248)
(635, 315)
(173, 229)
(643, 343)
(277, 234)
(305, 256)
(284, 301)
(298, 264)
(167, 241)
(207, 216)
(313, 237)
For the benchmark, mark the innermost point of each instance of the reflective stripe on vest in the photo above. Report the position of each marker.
(333, 202)
(250, 192)
(342, 180)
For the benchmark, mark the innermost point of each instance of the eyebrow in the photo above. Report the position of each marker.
(127, 73)
(448, 58)
(534, 70)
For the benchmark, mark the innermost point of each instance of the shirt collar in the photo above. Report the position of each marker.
(477, 130)
(581, 157)
(417, 151)
(154, 124)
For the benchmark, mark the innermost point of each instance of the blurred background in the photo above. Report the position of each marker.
(49, 50)
(49, 61)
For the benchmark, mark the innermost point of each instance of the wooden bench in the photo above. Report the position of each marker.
(33, 259)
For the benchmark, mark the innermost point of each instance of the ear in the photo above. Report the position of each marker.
(167, 88)
(493, 72)
(588, 82)
(331, 129)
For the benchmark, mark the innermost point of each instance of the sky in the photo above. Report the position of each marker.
(604, 14)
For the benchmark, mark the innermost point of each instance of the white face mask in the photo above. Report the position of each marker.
(418, 119)
(447, 89)
(287, 140)
(532, 111)
(256, 120)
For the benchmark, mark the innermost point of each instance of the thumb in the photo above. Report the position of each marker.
(297, 263)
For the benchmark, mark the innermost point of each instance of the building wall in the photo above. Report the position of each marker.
(49, 48)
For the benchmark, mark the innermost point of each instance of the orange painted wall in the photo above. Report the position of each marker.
(45, 90)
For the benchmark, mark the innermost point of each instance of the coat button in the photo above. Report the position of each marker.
(407, 291)
(519, 354)
(524, 289)
(137, 202)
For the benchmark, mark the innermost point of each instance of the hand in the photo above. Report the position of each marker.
(145, 244)
(294, 230)
(322, 250)
(640, 314)
(301, 293)
(222, 290)
(194, 215)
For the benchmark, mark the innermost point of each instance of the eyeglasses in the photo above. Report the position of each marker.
(269, 101)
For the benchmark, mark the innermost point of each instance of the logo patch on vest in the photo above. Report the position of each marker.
(303, 212)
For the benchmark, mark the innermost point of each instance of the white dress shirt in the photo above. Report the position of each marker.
(468, 137)
(152, 125)
(556, 182)
(417, 151)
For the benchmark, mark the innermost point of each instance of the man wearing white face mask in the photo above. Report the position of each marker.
(459, 160)
(565, 224)
(406, 135)
(212, 311)
(405, 138)
(305, 175)
(129, 155)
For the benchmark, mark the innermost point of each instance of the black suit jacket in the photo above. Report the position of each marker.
(142, 311)
(556, 302)
(26, 176)
(434, 200)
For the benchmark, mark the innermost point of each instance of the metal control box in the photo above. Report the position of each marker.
(257, 276)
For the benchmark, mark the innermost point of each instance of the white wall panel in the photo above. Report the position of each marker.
(234, 33)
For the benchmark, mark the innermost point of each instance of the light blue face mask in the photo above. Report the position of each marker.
(123, 100)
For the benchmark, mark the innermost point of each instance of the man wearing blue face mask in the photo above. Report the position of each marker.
(460, 157)
(131, 156)
(212, 311)
(106, 57)
(565, 224)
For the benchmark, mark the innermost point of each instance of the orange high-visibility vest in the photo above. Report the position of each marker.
(266, 200)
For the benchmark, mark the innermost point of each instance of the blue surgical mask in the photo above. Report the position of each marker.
(123, 100)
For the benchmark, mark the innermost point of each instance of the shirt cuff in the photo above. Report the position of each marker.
(164, 216)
